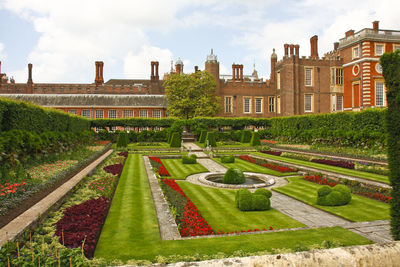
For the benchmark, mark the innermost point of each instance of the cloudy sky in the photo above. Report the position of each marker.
(63, 38)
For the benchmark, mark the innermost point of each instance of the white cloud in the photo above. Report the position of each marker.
(2, 52)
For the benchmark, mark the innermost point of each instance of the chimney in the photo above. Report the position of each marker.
(154, 70)
(349, 33)
(233, 72)
(30, 81)
(274, 59)
(99, 73)
(291, 47)
(335, 45)
(196, 69)
(297, 50)
(375, 25)
(241, 72)
(314, 46)
(286, 47)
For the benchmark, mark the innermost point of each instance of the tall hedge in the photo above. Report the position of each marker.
(391, 72)
(211, 139)
(246, 136)
(202, 137)
(122, 140)
(255, 139)
(175, 140)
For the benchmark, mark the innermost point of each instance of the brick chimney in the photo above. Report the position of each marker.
(335, 45)
(291, 48)
(375, 25)
(154, 70)
(349, 33)
(286, 48)
(196, 69)
(241, 72)
(314, 46)
(297, 50)
(99, 73)
(30, 81)
(233, 71)
(274, 59)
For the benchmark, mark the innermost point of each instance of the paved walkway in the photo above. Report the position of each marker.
(19, 224)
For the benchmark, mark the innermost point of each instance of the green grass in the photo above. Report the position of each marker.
(251, 167)
(131, 229)
(359, 209)
(360, 174)
(138, 146)
(219, 145)
(180, 171)
(218, 207)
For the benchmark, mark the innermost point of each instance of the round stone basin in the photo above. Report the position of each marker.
(253, 180)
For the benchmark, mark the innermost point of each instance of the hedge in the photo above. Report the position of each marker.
(202, 137)
(246, 136)
(123, 139)
(391, 72)
(211, 139)
(175, 140)
(255, 139)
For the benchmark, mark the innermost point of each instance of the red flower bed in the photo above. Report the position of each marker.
(157, 163)
(318, 180)
(158, 160)
(11, 188)
(82, 222)
(268, 165)
(268, 142)
(123, 154)
(337, 163)
(163, 171)
(114, 169)
(102, 142)
(247, 158)
(376, 196)
(275, 153)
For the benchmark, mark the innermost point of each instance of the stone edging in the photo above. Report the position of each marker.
(268, 181)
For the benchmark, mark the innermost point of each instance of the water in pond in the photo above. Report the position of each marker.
(249, 180)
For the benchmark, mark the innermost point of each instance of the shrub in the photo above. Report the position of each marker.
(211, 139)
(233, 176)
(260, 202)
(236, 135)
(255, 139)
(175, 140)
(338, 195)
(122, 140)
(189, 159)
(228, 159)
(264, 192)
(246, 136)
(244, 200)
(203, 136)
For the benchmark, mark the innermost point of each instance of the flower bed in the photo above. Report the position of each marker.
(319, 180)
(336, 163)
(271, 152)
(12, 188)
(45, 171)
(267, 165)
(268, 142)
(115, 169)
(157, 164)
(123, 154)
(244, 231)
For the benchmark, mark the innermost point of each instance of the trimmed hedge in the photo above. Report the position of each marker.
(258, 201)
(391, 72)
(192, 159)
(228, 159)
(246, 136)
(233, 176)
(244, 200)
(203, 136)
(338, 195)
(255, 139)
(211, 139)
(123, 139)
(175, 140)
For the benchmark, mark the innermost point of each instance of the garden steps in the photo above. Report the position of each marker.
(17, 226)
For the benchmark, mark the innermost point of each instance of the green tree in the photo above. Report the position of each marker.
(192, 95)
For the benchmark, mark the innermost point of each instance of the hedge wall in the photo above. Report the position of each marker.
(28, 117)
(391, 71)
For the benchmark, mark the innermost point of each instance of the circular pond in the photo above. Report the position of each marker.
(253, 180)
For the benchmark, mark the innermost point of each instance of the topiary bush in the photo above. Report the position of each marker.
(211, 139)
(228, 159)
(122, 140)
(264, 192)
(175, 140)
(233, 176)
(246, 136)
(255, 139)
(244, 200)
(258, 201)
(338, 195)
(189, 159)
(203, 135)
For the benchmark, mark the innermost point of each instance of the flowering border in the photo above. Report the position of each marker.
(267, 165)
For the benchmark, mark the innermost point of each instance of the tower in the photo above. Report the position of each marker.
(212, 65)
(179, 66)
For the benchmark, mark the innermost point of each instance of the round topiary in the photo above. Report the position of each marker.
(324, 190)
(337, 196)
(228, 159)
(244, 200)
(264, 192)
(233, 176)
(260, 202)
(189, 160)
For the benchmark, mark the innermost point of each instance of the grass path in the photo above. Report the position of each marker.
(218, 207)
(180, 171)
(251, 167)
(131, 229)
(359, 209)
(355, 173)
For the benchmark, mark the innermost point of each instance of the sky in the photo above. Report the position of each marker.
(63, 39)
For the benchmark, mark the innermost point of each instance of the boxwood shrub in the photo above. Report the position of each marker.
(257, 201)
(255, 139)
(189, 159)
(203, 135)
(246, 136)
(338, 195)
(244, 200)
(175, 140)
(233, 176)
(211, 139)
(123, 139)
(228, 159)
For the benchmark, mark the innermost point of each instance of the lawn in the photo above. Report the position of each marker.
(360, 174)
(218, 207)
(144, 146)
(131, 229)
(251, 167)
(180, 171)
(359, 209)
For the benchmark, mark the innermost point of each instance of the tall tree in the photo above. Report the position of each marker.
(192, 95)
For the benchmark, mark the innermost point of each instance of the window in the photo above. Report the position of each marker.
(156, 113)
(379, 49)
(333, 103)
(396, 47)
(278, 80)
(339, 103)
(112, 114)
(356, 52)
(228, 104)
(338, 76)
(308, 102)
(246, 105)
(128, 114)
(258, 105)
(86, 113)
(271, 104)
(112, 129)
(308, 78)
(278, 105)
(72, 111)
(143, 113)
(379, 94)
(99, 114)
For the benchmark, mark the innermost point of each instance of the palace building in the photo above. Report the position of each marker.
(348, 78)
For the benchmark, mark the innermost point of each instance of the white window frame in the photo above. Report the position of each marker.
(84, 113)
(396, 47)
(228, 106)
(383, 49)
(353, 52)
(99, 114)
(143, 113)
(278, 104)
(258, 105)
(311, 103)
(339, 103)
(156, 113)
(72, 111)
(248, 100)
(128, 113)
(310, 70)
(112, 114)
(383, 104)
(333, 103)
(278, 80)
(271, 103)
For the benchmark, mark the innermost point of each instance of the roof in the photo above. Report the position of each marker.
(127, 82)
(90, 100)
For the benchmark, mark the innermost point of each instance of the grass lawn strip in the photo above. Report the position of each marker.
(218, 207)
(359, 209)
(180, 171)
(251, 167)
(355, 173)
(131, 230)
